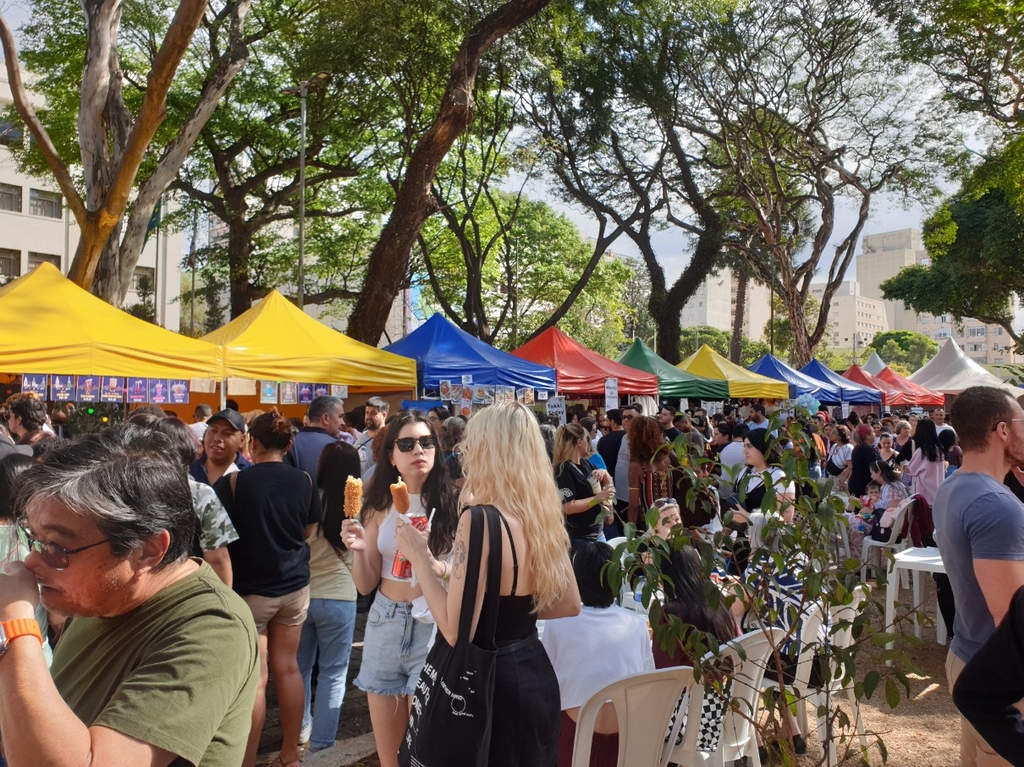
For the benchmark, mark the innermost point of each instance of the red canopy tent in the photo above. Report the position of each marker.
(922, 396)
(582, 371)
(890, 394)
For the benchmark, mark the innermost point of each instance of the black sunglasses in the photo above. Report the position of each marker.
(53, 555)
(408, 444)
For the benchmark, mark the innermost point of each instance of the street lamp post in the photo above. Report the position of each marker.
(302, 91)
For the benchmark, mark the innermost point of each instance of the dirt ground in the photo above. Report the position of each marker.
(923, 731)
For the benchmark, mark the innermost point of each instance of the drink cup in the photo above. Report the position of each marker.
(402, 567)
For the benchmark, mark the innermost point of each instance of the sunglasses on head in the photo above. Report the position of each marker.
(408, 444)
(661, 503)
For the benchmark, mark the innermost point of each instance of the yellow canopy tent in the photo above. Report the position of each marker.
(275, 340)
(708, 363)
(50, 325)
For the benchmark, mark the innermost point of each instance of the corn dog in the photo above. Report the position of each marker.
(353, 497)
(400, 496)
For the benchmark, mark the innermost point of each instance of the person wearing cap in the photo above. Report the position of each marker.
(222, 448)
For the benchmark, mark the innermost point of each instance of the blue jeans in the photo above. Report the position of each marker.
(329, 626)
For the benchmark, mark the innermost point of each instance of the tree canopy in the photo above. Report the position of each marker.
(904, 348)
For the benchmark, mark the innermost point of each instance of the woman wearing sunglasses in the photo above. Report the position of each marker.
(395, 643)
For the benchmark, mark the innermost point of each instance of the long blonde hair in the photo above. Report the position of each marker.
(505, 464)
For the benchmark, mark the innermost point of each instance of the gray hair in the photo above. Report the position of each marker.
(321, 405)
(124, 479)
(455, 426)
(378, 402)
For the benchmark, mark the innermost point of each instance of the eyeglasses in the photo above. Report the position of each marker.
(53, 555)
(661, 503)
(408, 444)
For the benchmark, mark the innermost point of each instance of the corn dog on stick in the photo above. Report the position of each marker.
(353, 497)
(400, 496)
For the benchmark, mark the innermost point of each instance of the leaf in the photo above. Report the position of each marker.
(892, 693)
(871, 680)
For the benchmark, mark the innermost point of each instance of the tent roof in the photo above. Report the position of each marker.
(773, 367)
(848, 390)
(442, 350)
(742, 383)
(874, 364)
(920, 395)
(275, 340)
(890, 394)
(951, 371)
(672, 382)
(50, 325)
(582, 371)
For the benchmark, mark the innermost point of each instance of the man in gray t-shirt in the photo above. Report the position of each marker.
(979, 526)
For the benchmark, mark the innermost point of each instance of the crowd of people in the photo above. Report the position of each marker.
(262, 576)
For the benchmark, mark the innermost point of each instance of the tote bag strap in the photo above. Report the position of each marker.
(489, 612)
(489, 617)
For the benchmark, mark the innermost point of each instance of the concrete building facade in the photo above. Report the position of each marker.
(853, 318)
(714, 305)
(37, 227)
(883, 256)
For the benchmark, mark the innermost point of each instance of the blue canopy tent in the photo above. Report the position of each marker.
(849, 391)
(444, 351)
(773, 367)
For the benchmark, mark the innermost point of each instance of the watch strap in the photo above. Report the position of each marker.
(20, 627)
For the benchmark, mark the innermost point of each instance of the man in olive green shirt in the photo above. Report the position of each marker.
(158, 663)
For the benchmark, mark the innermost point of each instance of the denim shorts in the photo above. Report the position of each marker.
(394, 648)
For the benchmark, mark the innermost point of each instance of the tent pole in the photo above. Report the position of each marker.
(224, 394)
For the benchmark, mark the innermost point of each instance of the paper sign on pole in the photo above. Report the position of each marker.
(611, 393)
(556, 409)
(846, 409)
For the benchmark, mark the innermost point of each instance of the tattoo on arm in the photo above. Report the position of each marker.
(459, 560)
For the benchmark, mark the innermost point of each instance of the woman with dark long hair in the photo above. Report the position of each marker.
(331, 620)
(928, 465)
(650, 467)
(891, 494)
(395, 644)
(274, 508)
(864, 454)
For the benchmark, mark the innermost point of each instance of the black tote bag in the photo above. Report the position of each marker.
(450, 721)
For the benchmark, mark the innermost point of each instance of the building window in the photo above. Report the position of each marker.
(143, 278)
(997, 331)
(10, 197)
(975, 332)
(42, 203)
(35, 259)
(11, 134)
(10, 264)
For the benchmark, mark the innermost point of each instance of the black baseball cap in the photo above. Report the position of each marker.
(233, 417)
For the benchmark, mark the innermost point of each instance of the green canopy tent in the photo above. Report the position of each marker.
(673, 382)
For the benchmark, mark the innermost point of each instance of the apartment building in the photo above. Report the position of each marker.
(714, 304)
(853, 318)
(36, 227)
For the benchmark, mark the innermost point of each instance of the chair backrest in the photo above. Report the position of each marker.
(807, 640)
(841, 619)
(904, 516)
(644, 704)
(747, 656)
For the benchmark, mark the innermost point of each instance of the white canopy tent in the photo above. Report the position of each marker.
(951, 371)
(874, 364)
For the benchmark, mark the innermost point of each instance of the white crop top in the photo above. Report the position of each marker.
(386, 543)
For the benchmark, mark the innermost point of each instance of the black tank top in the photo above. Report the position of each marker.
(515, 617)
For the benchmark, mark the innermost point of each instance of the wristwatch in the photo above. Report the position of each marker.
(20, 627)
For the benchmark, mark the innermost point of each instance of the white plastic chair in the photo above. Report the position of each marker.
(748, 656)
(904, 512)
(820, 697)
(644, 704)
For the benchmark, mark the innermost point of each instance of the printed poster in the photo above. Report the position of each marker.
(138, 391)
(268, 392)
(113, 389)
(179, 391)
(159, 391)
(87, 388)
(611, 393)
(339, 390)
(466, 406)
(34, 383)
(289, 393)
(467, 380)
(542, 395)
(61, 388)
(528, 398)
(305, 393)
(444, 389)
(321, 390)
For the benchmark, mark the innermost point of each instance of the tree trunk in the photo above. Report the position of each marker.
(239, 250)
(736, 342)
(389, 260)
(803, 347)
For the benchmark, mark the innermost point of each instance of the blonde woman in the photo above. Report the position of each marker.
(506, 467)
(582, 486)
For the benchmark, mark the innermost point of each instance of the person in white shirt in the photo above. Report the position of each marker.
(588, 651)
